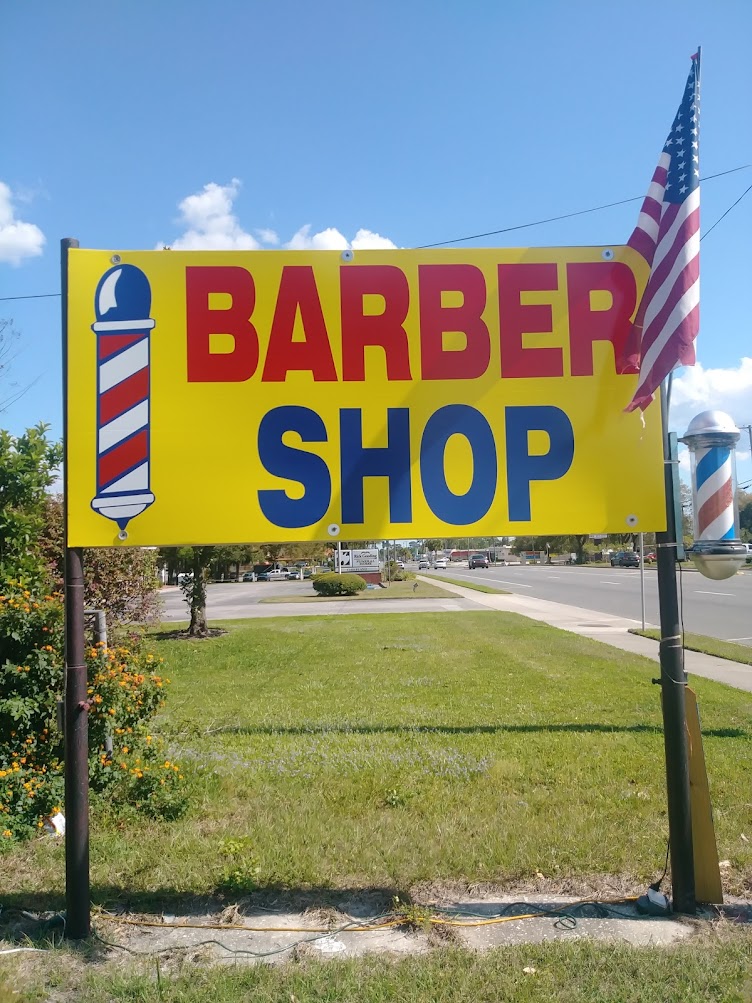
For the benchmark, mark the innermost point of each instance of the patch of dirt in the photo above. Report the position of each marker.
(442, 935)
(589, 886)
(326, 916)
(184, 635)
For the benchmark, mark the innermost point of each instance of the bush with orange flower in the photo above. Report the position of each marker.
(126, 688)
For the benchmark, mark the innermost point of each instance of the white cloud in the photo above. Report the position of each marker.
(327, 240)
(699, 389)
(367, 239)
(267, 236)
(210, 223)
(18, 240)
(332, 240)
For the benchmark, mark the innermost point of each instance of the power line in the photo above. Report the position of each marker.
(726, 213)
(37, 296)
(508, 229)
(524, 226)
(568, 215)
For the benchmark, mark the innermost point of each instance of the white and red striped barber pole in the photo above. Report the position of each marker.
(715, 493)
(123, 328)
(717, 551)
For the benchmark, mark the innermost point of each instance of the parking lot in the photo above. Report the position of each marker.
(233, 597)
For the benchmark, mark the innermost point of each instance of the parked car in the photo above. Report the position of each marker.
(275, 575)
(650, 558)
(625, 559)
(249, 576)
(423, 565)
(440, 563)
(478, 561)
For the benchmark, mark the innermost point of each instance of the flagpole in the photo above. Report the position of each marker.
(673, 682)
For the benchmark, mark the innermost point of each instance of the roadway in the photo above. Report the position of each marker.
(719, 609)
(239, 600)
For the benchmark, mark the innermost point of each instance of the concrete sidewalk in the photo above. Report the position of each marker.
(613, 630)
(482, 922)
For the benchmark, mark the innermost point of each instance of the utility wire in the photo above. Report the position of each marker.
(569, 215)
(726, 213)
(507, 229)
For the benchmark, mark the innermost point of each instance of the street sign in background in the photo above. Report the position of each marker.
(222, 397)
(358, 560)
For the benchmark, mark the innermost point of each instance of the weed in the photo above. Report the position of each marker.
(396, 799)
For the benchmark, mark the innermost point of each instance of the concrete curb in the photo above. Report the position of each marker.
(478, 923)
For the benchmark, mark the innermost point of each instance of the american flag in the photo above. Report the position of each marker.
(667, 236)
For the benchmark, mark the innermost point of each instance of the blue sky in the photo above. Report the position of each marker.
(416, 121)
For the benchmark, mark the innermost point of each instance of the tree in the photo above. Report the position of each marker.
(225, 558)
(686, 508)
(28, 465)
(551, 544)
(580, 542)
(623, 540)
(194, 590)
(434, 545)
(744, 499)
(315, 552)
(271, 551)
(11, 392)
(121, 581)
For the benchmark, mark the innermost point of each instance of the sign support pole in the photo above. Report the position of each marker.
(77, 897)
(642, 577)
(673, 682)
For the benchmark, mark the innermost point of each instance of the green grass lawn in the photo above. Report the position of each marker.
(388, 749)
(575, 971)
(707, 645)
(396, 590)
(476, 586)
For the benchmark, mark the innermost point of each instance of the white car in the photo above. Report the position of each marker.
(275, 575)
(440, 563)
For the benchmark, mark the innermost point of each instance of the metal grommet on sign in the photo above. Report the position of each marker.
(123, 534)
(632, 520)
(116, 259)
(607, 254)
(333, 529)
(347, 255)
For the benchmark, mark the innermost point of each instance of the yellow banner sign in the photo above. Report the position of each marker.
(230, 397)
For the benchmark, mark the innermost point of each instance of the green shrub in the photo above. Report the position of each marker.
(332, 584)
(125, 690)
(394, 573)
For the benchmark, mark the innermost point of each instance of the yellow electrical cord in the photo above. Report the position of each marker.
(400, 920)
(248, 929)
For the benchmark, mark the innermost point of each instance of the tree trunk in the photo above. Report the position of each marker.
(198, 627)
(580, 543)
(197, 596)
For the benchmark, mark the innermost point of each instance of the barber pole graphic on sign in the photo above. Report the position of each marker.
(123, 327)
